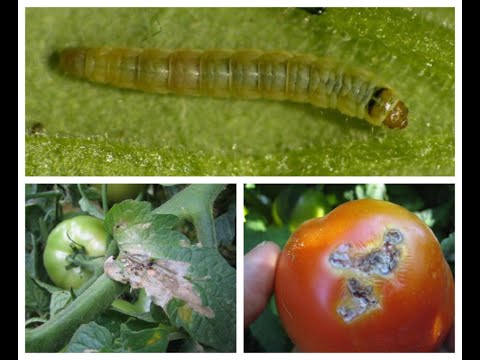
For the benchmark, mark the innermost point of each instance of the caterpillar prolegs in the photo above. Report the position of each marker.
(246, 74)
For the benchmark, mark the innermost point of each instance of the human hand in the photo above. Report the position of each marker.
(259, 275)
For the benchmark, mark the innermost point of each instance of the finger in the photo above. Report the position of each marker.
(259, 271)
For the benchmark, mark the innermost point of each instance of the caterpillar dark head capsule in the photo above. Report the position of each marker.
(246, 74)
(385, 108)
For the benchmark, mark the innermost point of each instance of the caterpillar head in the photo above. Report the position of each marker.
(385, 108)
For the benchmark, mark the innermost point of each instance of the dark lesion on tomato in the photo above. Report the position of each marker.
(380, 262)
(362, 300)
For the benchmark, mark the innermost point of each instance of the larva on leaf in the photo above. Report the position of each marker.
(247, 74)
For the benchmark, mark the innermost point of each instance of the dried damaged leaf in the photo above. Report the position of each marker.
(162, 279)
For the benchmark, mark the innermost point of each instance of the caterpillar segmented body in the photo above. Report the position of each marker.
(248, 74)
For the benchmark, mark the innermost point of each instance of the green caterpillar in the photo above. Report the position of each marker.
(246, 74)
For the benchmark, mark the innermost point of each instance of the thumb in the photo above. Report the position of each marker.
(259, 274)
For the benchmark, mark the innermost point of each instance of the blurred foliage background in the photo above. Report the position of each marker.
(273, 212)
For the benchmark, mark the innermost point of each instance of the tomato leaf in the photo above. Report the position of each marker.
(277, 235)
(126, 308)
(448, 247)
(269, 332)
(202, 297)
(58, 301)
(36, 298)
(225, 226)
(91, 337)
(146, 340)
(91, 208)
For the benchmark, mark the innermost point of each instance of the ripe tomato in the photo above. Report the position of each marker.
(368, 277)
(80, 231)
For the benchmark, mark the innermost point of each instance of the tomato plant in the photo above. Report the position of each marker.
(167, 276)
(368, 277)
(81, 235)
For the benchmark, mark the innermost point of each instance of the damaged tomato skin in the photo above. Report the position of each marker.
(85, 231)
(416, 300)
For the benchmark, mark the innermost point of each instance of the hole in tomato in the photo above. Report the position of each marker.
(381, 261)
(362, 299)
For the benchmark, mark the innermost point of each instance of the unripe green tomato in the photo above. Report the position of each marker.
(119, 192)
(79, 231)
(311, 204)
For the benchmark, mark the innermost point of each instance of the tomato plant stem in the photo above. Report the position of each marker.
(55, 333)
(195, 204)
(44, 195)
(104, 198)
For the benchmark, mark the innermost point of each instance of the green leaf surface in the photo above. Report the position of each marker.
(268, 331)
(90, 208)
(191, 346)
(277, 235)
(140, 309)
(448, 248)
(77, 128)
(112, 321)
(225, 226)
(90, 337)
(371, 191)
(426, 216)
(32, 257)
(58, 301)
(36, 298)
(134, 226)
(146, 340)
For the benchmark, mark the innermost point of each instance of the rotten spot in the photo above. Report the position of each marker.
(393, 236)
(381, 261)
(162, 279)
(340, 257)
(362, 299)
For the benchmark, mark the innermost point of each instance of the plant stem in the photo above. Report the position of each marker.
(96, 274)
(87, 262)
(104, 198)
(112, 248)
(57, 331)
(45, 194)
(195, 204)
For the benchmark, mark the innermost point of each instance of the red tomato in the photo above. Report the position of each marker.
(368, 277)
